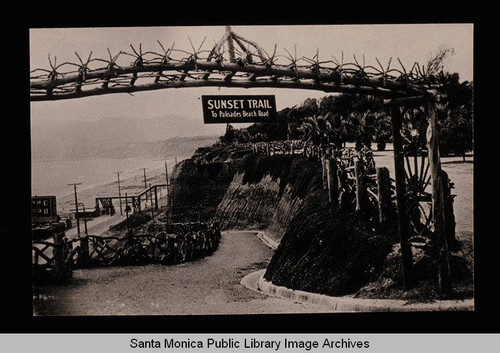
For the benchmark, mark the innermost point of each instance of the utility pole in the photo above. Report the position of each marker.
(166, 173)
(168, 186)
(76, 208)
(126, 209)
(119, 193)
(145, 185)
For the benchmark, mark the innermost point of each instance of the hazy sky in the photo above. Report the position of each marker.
(410, 43)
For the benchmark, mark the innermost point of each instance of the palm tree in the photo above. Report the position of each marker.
(323, 130)
(382, 133)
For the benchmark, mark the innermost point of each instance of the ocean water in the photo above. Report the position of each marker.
(51, 177)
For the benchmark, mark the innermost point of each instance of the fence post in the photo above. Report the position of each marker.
(384, 193)
(156, 198)
(360, 186)
(449, 215)
(83, 258)
(57, 253)
(333, 187)
(326, 177)
(324, 172)
(409, 278)
(61, 268)
(341, 182)
(438, 204)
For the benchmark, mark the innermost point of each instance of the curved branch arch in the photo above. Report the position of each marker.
(253, 67)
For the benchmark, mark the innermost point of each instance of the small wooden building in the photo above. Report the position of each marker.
(44, 209)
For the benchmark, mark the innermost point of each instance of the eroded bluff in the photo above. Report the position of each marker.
(322, 249)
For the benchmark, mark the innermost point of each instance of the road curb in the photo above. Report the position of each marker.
(256, 281)
(267, 240)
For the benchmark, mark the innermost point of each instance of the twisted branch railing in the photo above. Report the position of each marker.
(243, 65)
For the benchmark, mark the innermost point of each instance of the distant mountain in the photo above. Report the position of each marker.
(107, 137)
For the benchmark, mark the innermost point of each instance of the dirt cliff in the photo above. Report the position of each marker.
(323, 249)
(266, 193)
(198, 184)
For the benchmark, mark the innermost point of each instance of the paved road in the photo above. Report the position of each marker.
(95, 226)
(206, 287)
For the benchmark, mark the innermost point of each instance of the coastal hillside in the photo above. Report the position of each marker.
(266, 193)
(115, 137)
(322, 248)
(199, 183)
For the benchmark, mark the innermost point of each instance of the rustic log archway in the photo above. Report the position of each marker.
(247, 65)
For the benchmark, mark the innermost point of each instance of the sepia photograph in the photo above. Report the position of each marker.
(225, 170)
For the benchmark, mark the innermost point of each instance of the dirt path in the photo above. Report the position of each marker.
(205, 287)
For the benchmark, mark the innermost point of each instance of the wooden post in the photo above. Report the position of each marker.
(85, 220)
(438, 216)
(323, 172)
(409, 279)
(333, 187)
(327, 175)
(134, 205)
(166, 173)
(449, 215)
(156, 199)
(58, 255)
(97, 208)
(119, 192)
(384, 193)
(360, 186)
(341, 182)
(76, 208)
(230, 45)
(126, 209)
(84, 256)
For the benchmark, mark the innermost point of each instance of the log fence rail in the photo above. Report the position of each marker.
(348, 171)
(163, 243)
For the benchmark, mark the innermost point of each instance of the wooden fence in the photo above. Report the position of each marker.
(352, 176)
(164, 243)
(344, 172)
(51, 261)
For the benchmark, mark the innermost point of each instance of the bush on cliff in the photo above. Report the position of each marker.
(299, 172)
